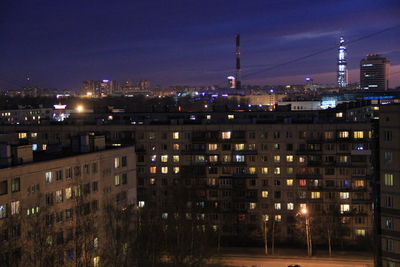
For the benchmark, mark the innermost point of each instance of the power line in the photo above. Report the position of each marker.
(318, 52)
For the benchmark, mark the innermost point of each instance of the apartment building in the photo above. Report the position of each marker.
(51, 200)
(243, 172)
(390, 185)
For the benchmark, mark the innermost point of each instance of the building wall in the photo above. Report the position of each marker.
(390, 184)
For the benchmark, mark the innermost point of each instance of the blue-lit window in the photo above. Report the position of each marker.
(346, 183)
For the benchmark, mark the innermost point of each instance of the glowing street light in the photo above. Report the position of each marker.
(304, 211)
(79, 108)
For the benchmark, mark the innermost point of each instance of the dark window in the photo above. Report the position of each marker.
(16, 184)
(3, 187)
(124, 178)
(95, 186)
(124, 161)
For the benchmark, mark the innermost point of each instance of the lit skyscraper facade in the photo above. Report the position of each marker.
(342, 74)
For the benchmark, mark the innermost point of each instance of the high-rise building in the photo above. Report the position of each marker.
(374, 73)
(342, 75)
(99, 88)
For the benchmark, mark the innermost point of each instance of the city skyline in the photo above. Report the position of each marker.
(60, 45)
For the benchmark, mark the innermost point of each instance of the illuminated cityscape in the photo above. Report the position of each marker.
(155, 134)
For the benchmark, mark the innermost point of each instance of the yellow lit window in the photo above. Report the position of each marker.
(164, 170)
(277, 170)
(252, 170)
(117, 162)
(290, 206)
(264, 194)
(360, 232)
(153, 169)
(176, 170)
(343, 134)
(117, 180)
(289, 158)
(358, 134)
(344, 208)
(175, 158)
(264, 170)
(175, 135)
(175, 147)
(96, 261)
(213, 158)
(15, 207)
(239, 147)
(252, 205)
(278, 218)
(164, 158)
(388, 179)
(68, 192)
(289, 182)
(22, 135)
(302, 159)
(277, 206)
(359, 183)
(212, 147)
(344, 159)
(33, 135)
(344, 195)
(289, 170)
(339, 114)
(303, 206)
(226, 135)
(277, 158)
(226, 158)
(315, 195)
(231, 117)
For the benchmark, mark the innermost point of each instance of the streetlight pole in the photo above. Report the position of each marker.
(266, 235)
(308, 232)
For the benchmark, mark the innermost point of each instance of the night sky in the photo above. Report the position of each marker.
(60, 43)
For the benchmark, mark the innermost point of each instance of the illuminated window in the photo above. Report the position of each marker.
(339, 114)
(226, 135)
(329, 135)
(302, 182)
(48, 177)
(175, 147)
(277, 206)
(344, 195)
(175, 158)
(252, 170)
(359, 183)
(264, 194)
(213, 158)
(276, 146)
(153, 158)
(176, 170)
(343, 134)
(3, 211)
(212, 147)
(277, 158)
(231, 116)
(33, 135)
(278, 218)
(360, 232)
(59, 196)
(117, 162)
(289, 158)
(15, 207)
(252, 146)
(315, 195)
(344, 208)
(164, 158)
(175, 135)
(388, 179)
(164, 170)
(117, 180)
(290, 206)
(302, 159)
(264, 170)
(22, 135)
(303, 206)
(226, 158)
(289, 170)
(289, 182)
(277, 170)
(239, 147)
(344, 159)
(152, 181)
(96, 261)
(68, 193)
(252, 205)
(199, 158)
(358, 134)
(153, 169)
(239, 158)
(141, 204)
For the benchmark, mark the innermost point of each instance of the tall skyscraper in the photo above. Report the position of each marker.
(374, 73)
(342, 75)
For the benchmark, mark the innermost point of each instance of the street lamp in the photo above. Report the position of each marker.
(304, 211)
(266, 234)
